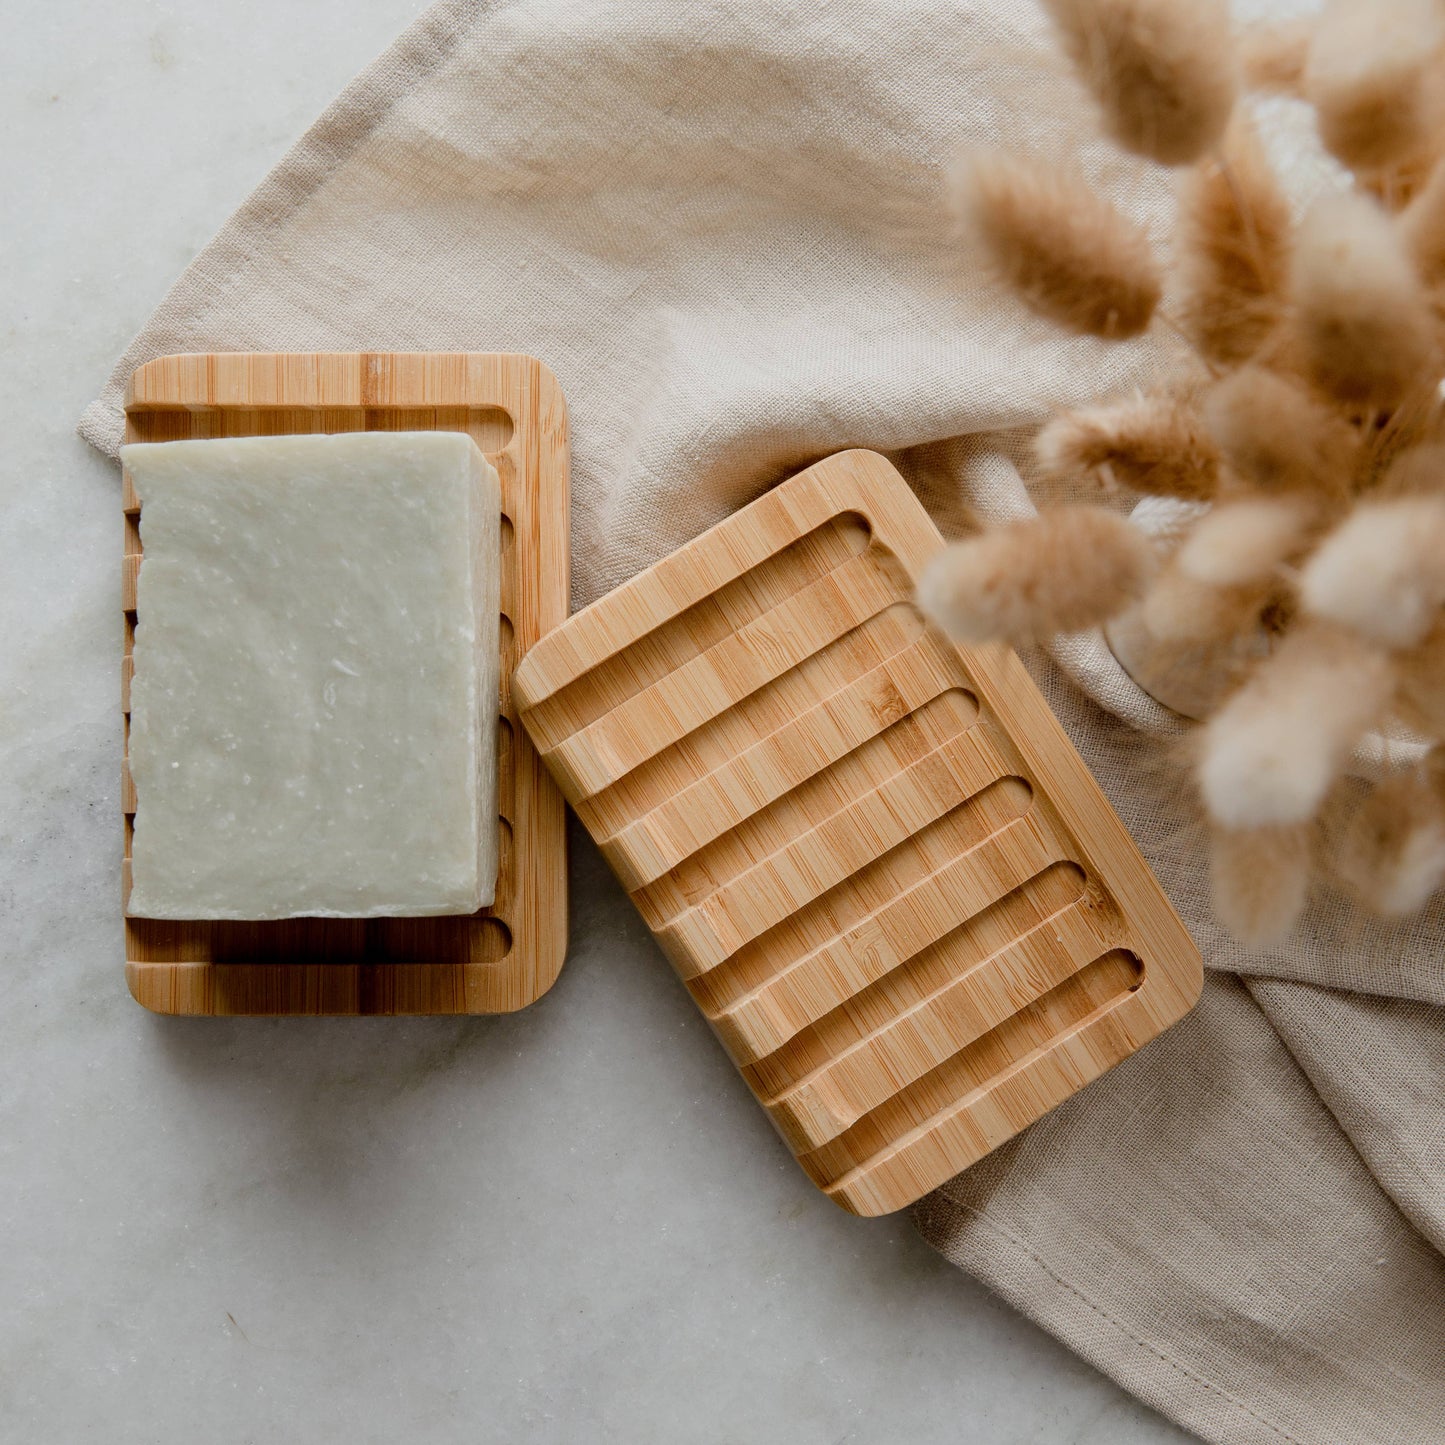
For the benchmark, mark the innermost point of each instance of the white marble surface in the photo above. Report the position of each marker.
(568, 1225)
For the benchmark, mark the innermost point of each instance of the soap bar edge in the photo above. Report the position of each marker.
(483, 713)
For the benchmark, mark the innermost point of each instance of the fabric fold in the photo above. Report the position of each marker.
(1377, 1064)
(1198, 1227)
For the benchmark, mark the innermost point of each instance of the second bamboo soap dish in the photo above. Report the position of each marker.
(884, 873)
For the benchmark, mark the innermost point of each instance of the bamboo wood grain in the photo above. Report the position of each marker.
(508, 955)
(883, 872)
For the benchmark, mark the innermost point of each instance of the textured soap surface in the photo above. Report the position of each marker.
(315, 697)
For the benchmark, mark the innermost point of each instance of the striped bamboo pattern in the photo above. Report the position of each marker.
(884, 874)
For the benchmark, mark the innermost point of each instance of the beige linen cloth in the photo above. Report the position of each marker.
(720, 225)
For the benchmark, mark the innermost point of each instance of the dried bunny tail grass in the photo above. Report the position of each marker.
(1403, 456)
(1362, 318)
(1422, 227)
(1066, 569)
(1420, 696)
(1247, 541)
(1232, 250)
(1153, 444)
(1382, 571)
(1272, 751)
(1372, 77)
(1278, 437)
(1259, 880)
(1065, 250)
(1191, 677)
(1189, 612)
(1391, 856)
(1162, 71)
(1273, 57)
(1418, 471)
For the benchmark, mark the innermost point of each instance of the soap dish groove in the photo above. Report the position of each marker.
(885, 876)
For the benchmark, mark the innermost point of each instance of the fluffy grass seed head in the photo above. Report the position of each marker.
(1272, 57)
(1274, 749)
(1372, 76)
(1362, 318)
(1391, 856)
(1163, 72)
(1381, 572)
(1246, 541)
(1420, 694)
(1259, 880)
(1279, 438)
(1065, 570)
(1063, 249)
(1192, 613)
(1232, 250)
(1422, 228)
(1417, 471)
(1154, 444)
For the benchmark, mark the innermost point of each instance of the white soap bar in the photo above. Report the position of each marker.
(315, 697)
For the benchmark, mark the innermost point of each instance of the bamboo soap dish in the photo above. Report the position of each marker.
(505, 956)
(884, 873)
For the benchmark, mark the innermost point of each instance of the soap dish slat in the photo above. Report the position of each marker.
(505, 956)
(883, 872)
